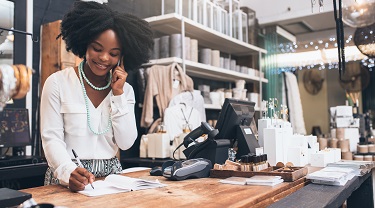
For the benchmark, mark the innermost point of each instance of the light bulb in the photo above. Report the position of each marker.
(358, 13)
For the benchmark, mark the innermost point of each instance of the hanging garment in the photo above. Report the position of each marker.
(164, 82)
(178, 117)
(295, 104)
(193, 99)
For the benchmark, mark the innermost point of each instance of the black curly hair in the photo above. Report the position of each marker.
(87, 20)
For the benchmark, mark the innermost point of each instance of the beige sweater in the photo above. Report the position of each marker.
(162, 84)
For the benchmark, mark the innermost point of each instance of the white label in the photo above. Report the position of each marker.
(259, 151)
(175, 84)
(248, 131)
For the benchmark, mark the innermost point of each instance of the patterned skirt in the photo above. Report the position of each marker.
(98, 167)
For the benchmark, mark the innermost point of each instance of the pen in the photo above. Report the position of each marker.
(79, 163)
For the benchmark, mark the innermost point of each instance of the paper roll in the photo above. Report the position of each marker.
(340, 133)
(232, 65)
(226, 63)
(347, 155)
(156, 50)
(332, 143)
(343, 144)
(176, 45)
(323, 143)
(187, 48)
(358, 157)
(367, 158)
(205, 56)
(371, 148)
(215, 58)
(362, 148)
(164, 47)
(194, 50)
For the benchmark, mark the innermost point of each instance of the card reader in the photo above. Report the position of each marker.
(181, 170)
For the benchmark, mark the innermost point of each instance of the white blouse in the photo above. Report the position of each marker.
(64, 125)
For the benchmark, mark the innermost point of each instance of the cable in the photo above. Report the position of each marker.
(176, 150)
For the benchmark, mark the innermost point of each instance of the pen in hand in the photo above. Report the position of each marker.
(79, 163)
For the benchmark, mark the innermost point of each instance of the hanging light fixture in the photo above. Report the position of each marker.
(358, 13)
(364, 39)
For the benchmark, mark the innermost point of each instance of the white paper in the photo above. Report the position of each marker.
(118, 183)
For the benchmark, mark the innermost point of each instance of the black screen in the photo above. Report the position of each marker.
(14, 127)
(234, 113)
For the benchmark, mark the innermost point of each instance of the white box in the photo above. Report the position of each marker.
(346, 122)
(143, 146)
(353, 135)
(344, 111)
(262, 124)
(158, 145)
(287, 135)
(322, 158)
(336, 154)
(314, 148)
(311, 140)
(273, 145)
(297, 156)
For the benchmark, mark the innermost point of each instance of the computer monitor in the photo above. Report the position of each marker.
(234, 124)
(14, 127)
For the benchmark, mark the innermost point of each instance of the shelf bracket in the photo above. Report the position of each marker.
(33, 38)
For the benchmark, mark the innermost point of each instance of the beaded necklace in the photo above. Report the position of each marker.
(80, 72)
(93, 86)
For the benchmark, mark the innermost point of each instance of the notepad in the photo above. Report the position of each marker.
(262, 180)
(113, 184)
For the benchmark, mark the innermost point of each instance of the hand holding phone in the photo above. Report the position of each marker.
(119, 76)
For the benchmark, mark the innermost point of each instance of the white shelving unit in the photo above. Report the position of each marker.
(174, 23)
(207, 71)
(171, 23)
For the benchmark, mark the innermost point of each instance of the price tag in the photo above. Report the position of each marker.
(176, 83)
(248, 131)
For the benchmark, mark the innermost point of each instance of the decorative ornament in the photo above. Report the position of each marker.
(358, 13)
(364, 39)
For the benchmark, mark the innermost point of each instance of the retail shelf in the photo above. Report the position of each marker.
(212, 107)
(218, 107)
(207, 37)
(207, 71)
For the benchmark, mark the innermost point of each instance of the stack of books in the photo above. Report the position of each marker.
(258, 180)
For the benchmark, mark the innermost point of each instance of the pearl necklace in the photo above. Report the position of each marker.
(91, 85)
(80, 72)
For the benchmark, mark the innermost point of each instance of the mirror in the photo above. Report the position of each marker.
(6, 38)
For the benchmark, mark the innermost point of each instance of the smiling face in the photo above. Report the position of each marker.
(103, 53)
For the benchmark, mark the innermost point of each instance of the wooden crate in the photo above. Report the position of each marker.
(288, 175)
(54, 56)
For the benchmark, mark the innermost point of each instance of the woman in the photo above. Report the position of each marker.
(90, 108)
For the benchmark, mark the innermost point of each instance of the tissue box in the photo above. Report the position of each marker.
(158, 145)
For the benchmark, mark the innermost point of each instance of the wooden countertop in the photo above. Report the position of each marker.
(203, 192)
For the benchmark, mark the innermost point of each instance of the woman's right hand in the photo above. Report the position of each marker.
(79, 178)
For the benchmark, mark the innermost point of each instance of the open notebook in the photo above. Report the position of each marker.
(118, 183)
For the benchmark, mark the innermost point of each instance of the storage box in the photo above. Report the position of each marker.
(322, 158)
(158, 145)
(273, 145)
(344, 111)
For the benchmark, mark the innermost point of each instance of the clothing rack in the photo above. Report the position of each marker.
(33, 38)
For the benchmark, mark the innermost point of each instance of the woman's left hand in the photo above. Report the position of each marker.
(119, 76)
